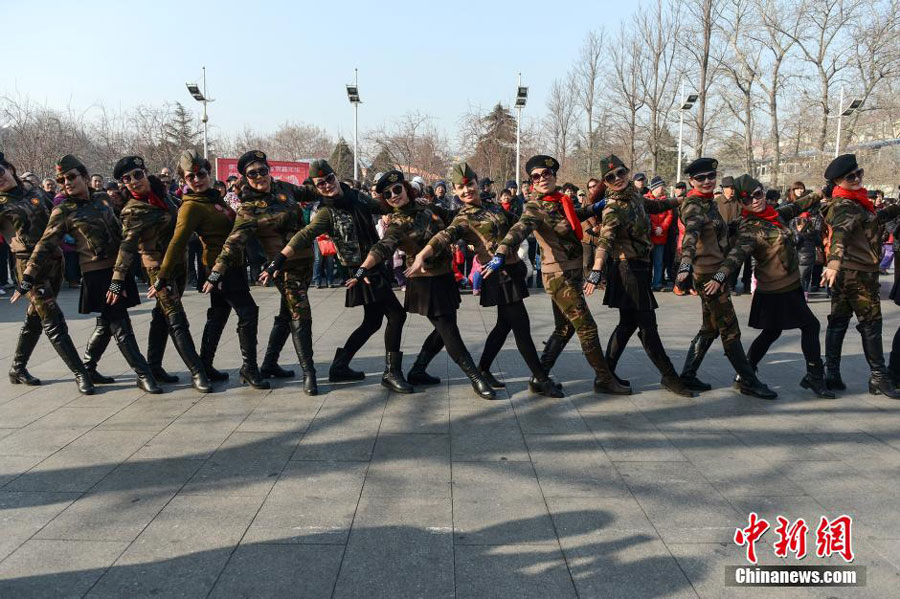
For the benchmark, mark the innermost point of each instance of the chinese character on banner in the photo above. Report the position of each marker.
(748, 536)
(834, 537)
(791, 538)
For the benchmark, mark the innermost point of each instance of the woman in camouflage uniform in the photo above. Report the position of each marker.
(556, 224)
(703, 249)
(432, 292)
(270, 211)
(86, 216)
(778, 302)
(23, 217)
(204, 212)
(482, 224)
(346, 215)
(148, 221)
(625, 236)
(851, 271)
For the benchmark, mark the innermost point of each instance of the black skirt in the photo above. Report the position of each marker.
(95, 284)
(895, 290)
(376, 291)
(628, 286)
(505, 286)
(432, 296)
(784, 310)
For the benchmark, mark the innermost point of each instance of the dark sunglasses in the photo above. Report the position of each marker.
(2, 171)
(701, 177)
(201, 174)
(67, 177)
(326, 181)
(396, 190)
(258, 172)
(135, 175)
(619, 173)
(756, 195)
(855, 175)
(544, 174)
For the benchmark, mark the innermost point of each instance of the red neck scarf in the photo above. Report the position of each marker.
(699, 194)
(769, 215)
(151, 199)
(860, 195)
(568, 209)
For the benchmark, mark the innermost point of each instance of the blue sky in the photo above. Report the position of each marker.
(269, 62)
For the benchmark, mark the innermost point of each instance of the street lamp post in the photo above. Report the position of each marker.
(521, 98)
(353, 96)
(854, 105)
(201, 97)
(686, 104)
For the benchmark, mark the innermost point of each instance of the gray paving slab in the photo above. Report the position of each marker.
(360, 492)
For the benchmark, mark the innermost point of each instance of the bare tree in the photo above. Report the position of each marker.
(562, 107)
(587, 75)
(628, 54)
(414, 142)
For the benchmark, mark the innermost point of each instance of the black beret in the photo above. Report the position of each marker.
(840, 166)
(249, 158)
(609, 163)
(727, 181)
(701, 165)
(388, 179)
(68, 162)
(541, 161)
(320, 168)
(126, 165)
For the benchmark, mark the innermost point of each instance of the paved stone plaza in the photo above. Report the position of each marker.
(360, 493)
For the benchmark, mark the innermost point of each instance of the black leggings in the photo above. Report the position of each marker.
(809, 342)
(445, 333)
(629, 322)
(512, 317)
(372, 319)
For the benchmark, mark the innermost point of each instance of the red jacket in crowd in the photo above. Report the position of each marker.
(662, 220)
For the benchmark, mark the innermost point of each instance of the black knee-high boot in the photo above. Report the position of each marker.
(28, 338)
(157, 337)
(880, 382)
(301, 333)
(124, 334)
(184, 344)
(281, 330)
(696, 352)
(834, 342)
(248, 323)
(58, 333)
(615, 347)
(894, 364)
(96, 345)
(216, 318)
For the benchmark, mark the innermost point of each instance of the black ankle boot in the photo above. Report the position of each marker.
(880, 382)
(281, 330)
(184, 345)
(815, 379)
(749, 384)
(216, 318)
(248, 322)
(340, 370)
(28, 338)
(657, 354)
(417, 374)
(481, 386)
(157, 338)
(393, 373)
(124, 334)
(491, 379)
(545, 386)
(58, 333)
(696, 352)
(834, 341)
(301, 334)
(96, 345)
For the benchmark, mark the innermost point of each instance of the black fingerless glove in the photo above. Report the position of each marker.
(360, 273)
(116, 287)
(160, 284)
(25, 284)
(214, 277)
(685, 267)
(594, 277)
(276, 264)
(719, 278)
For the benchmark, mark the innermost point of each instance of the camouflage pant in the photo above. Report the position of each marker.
(293, 283)
(46, 288)
(718, 313)
(856, 292)
(168, 300)
(570, 309)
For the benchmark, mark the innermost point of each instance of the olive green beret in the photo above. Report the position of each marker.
(68, 162)
(320, 168)
(462, 174)
(191, 161)
(610, 163)
(745, 185)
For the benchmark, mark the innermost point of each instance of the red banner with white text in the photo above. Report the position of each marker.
(292, 172)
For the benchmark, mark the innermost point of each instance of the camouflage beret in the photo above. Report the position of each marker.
(701, 165)
(191, 161)
(126, 165)
(610, 163)
(542, 161)
(320, 168)
(249, 158)
(68, 162)
(462, 174)
(745, 185)
(388, 179)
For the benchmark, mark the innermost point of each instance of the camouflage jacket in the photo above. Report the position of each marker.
(205, 214)
(146, 230)
(273, 218)
(482, 227)
(772, 247)
(411, 227)
(93, 225)
(23, 218)
(856, 234)
(347, 219)
(560, 248)
(625, 229)
(705, 240)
